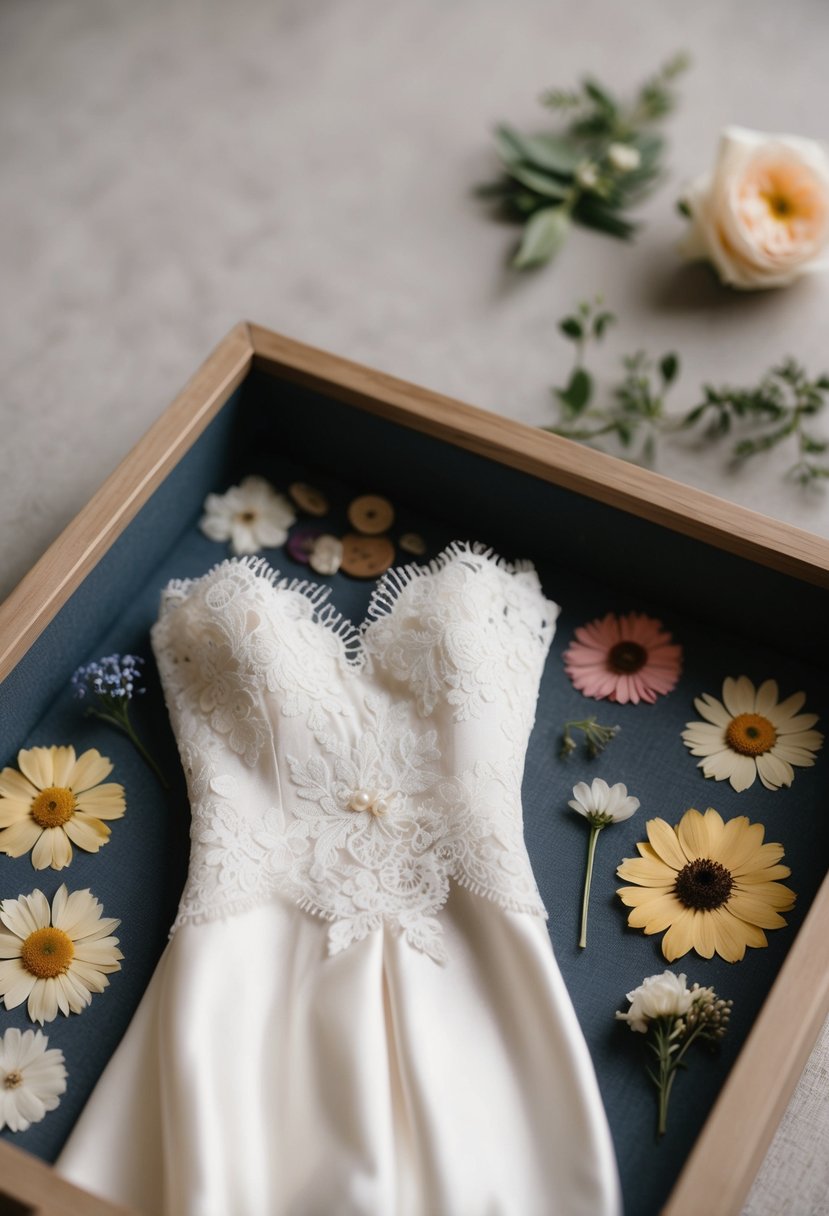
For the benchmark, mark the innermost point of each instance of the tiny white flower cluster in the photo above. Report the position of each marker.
(659, 996)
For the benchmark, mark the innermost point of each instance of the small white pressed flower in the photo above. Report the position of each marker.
(326, 556)
(750, 734)
(31, 1078)
(624, 158)
(675, 1016)
(659, 996)
(55, 957)
(252, 516)
(600, 805)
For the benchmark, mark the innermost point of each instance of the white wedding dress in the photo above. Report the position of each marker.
(359, 1012)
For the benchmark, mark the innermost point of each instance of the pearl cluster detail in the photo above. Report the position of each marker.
(364, 800)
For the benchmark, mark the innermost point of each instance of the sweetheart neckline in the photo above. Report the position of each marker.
(384, 595)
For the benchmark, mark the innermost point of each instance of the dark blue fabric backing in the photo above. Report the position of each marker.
(731, 617)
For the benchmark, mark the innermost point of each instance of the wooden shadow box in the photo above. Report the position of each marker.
(741, 593)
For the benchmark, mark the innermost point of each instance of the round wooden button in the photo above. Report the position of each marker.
(309, 499)
(370, 514)
(366, 556)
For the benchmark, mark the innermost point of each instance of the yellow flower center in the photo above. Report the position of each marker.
(13, 1079)
(47, 953)
(703, 885)
(780, 207)
(53, 807)
(750, 735)
(626, 657)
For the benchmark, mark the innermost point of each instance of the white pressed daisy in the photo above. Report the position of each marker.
(55, 957)
(601, 805)
(749, 734)
(252, 516)
(31, 1078)
(55, 801)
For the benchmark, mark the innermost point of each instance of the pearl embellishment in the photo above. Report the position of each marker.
(362, 800)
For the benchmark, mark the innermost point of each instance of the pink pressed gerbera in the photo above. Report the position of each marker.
(623, 658)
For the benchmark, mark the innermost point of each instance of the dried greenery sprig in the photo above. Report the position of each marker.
(636, 412)
(604, 161)
(782, 402)
(675, 1016)
(596, 737)
(781, 408)
(110, 684)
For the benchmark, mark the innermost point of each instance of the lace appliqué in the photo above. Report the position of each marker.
(248, 650)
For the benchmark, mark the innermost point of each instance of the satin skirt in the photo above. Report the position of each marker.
(262, 1077)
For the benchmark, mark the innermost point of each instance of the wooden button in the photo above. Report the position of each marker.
(308, 498)
(366, 556)
(370, 514)
(412, 542)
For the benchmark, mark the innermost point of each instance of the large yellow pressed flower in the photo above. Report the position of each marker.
(56, 799)
(711, 884)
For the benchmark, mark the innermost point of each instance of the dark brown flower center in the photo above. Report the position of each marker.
(626, 657)
(246, 517)
(703, 884)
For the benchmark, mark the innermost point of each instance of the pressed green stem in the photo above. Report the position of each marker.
(120, 717)
(588, 878)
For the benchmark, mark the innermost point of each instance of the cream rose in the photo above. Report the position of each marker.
(762, 216)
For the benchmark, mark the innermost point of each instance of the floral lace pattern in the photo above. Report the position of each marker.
(317, 754)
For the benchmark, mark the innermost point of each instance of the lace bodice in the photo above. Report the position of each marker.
(357, 771)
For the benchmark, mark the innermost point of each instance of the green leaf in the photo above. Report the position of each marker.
(591, 212)
(684, 208)
(601, 322)
(668, 367)
(544, 234)
(576, 396)
(600, 96)
(508, 144)
(551, 153)
(808, 443)
(546, 186)
(572, 327)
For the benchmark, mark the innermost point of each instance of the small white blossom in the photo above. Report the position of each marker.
(602, 804)
(659, 996)
(587, 175)
(31, 1078)
(624, 158)
(252, 516)
(327, 554)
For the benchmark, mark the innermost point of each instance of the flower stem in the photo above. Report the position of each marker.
(588, 878)
(120, 718)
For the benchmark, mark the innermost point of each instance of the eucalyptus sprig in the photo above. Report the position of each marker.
(780, 406)
(603, 161)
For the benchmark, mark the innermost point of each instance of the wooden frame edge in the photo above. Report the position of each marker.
(47, 586)
(717, 1176)
(30, 1183)
(608, 479)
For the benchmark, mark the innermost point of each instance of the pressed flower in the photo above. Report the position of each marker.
(55, 957)
(676, 1016)
(712, 884)
(32, 1078)
(110, 684)
(55, 801)
(596, 736)
(623, 658)
(252, 516)
(750, 733)
(600, 805)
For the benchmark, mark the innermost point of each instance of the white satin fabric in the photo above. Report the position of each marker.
(359, 1013)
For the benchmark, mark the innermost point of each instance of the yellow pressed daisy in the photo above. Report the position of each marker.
(751, 734)
(55, 801)
(711, 884)
(55, 958)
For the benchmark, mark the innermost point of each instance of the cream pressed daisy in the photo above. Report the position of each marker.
(56, 800)
(601, 805)
(55, 957)
(712, 884)
(624, 659)
(252, 516)
(750, 733)
(32, 1078)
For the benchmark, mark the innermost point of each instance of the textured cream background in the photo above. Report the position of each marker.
(167, 169)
